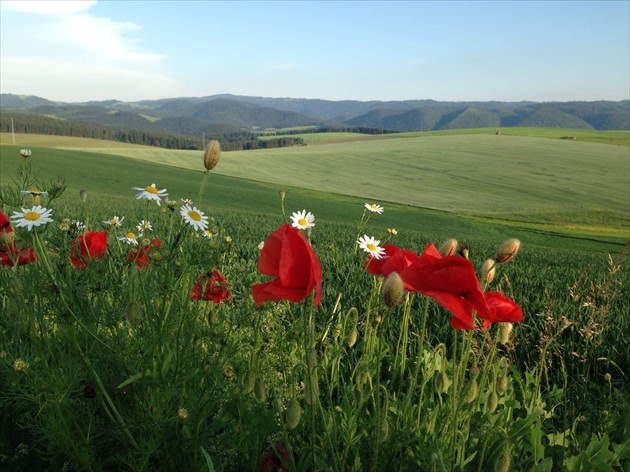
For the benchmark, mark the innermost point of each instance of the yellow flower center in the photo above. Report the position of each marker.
(194, 215)
(371, 247)
(302, 222)
(113, 221)
(131, 236)
(374, 207)
(31, 216)
(151, 189)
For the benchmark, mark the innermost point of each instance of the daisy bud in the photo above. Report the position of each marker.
(492, 402)
(502, 463)
(182, 413)
(448, 247)
(212, 154)
(488, 270)
(294, 413)
(20, 365)
(472, 391)
(502, 386)
(607, 377)
(507, 250)
(505, 330)
(393, 290)
(260, 390)
(83, 195)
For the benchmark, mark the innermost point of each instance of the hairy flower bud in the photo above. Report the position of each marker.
(507, 250)
(488, 270)
(492, 402)
(448, 247)
(502, 386)
(393, 290)
(505, 330)
(212, 154)
(352, 337)
(442, 382)
(503, 462)
(293, 413)
(471, 391)
(260, 390)
(83, 195)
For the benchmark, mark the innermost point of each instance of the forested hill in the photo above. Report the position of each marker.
(232, 114)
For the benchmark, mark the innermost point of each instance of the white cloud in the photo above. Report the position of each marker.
(76, 81)
(47, 7)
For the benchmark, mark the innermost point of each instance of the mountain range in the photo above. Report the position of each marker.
(225, 113)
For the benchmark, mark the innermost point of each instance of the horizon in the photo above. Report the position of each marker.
(471, 51)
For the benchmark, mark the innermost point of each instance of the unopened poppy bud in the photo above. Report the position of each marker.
(488, 270)
(503, 462)
(260, 391)
(294, 413)
(507, 250)
(248, 383)
(393, 290)
(282, 195)
(505, 330)
(474, 372)
(441, 382)
(492, 402)
(502, 386)
(134, 314)
(448, 247)
(212, 154)
(471, 391)
(352, 337)
(83, 195)
(384, 430)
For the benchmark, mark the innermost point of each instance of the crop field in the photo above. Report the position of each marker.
(229, 334)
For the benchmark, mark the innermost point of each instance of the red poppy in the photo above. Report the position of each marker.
(141, 255)
(502, 309)
(274, 459)
(212, 288)
(451, 282)
(398, 262)
(10, 255)
(91, 245)
(287, 256)
(6, 232)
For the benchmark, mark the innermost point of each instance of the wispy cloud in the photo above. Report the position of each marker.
(48, 7)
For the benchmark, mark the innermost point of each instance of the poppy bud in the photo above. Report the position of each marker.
(352, 337)
(260, 391)
(505, 330)
(488, 270)
(607, 377)
(448, 247)
(83, 195)
(492, 402)
(393, 290)
(294, 413)
(441, 382)
(502, 463)
(507, 250)
(384, 430)
(212, 154)
(248, 382)
(471, 392)
(282, 194)
(502, 386)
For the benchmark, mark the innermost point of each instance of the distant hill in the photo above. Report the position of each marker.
(220, 114)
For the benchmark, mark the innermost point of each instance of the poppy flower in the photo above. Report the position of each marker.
(502, 309)
(10, 255)
(394, 260)
(212, 288)
(6, 231)
(287, 256)
(274, 459)
(91, 245)
(141, 255)
(451, 282)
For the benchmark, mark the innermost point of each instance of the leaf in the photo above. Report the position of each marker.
(134, 377)
(209, 462)
(544, 466)
(560, 439)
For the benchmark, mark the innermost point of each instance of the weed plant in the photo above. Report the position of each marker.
(121, 364)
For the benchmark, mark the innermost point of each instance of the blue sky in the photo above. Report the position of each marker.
(333, 50)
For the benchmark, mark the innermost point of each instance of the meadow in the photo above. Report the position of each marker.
(140, 357)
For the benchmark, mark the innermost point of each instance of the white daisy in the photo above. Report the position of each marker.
(371, 246)
(207, 234)
(303, 220)
(194, 217)
(115, 221)
(374, 208)
(35, 216)
(34, 193)
(151, 193)
(130, 238)
(144, 226)
(186, 201)
(25, 152)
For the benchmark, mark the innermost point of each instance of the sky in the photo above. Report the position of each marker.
(76, 51)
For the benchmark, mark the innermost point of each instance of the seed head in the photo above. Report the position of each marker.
(212, 154)
(507, 250)
(393, 290)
